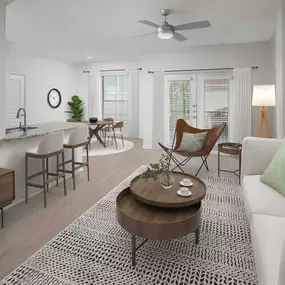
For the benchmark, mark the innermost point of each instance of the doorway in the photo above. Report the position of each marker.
(15, 99)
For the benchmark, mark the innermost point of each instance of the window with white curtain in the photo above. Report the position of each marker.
(115, 97)
(217, 93)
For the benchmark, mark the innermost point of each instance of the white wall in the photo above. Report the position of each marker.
(2, 67)
(41, 75)
(224, 56)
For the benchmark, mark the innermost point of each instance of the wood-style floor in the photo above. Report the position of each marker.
(30, 226)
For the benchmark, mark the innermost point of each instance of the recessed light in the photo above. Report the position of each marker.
(90, 56)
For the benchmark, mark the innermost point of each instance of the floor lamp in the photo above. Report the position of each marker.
(264, 96)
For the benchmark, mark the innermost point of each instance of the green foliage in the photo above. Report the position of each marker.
(157, 168)
(76, 108)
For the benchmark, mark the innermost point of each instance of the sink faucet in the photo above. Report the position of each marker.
(24, 127)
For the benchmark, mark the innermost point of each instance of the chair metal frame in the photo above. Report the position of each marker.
(210, 141)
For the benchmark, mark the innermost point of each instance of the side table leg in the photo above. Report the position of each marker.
(218, 163)
(133, 250)
(239, 168)
(197, 235)
(2, 218)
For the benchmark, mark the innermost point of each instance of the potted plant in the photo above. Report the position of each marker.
(76, 108)
(160, 170)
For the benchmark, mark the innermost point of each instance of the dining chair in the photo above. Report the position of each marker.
(115, 132)
(106, 128)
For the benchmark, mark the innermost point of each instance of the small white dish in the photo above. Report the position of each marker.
(184, 193)
(185, 184)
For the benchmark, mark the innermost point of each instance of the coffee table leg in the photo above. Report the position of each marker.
(133, 250)
(197, 235)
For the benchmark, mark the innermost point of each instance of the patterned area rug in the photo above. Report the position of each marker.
(94, 249)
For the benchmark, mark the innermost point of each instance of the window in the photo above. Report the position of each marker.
(115, 97)
(217, 93)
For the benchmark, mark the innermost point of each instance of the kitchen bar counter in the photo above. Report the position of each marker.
(40, 130)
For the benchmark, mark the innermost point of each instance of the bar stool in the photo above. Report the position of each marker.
(50, 146)
(78, 138)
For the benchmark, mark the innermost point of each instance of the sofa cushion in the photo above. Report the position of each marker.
(274, 175)
(267, 235)
(261, 199)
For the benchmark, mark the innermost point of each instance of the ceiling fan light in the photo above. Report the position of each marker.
(165, 35)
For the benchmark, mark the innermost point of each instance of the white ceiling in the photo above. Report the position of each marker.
(71, 30)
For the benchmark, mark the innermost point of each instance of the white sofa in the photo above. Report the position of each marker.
(265, 209)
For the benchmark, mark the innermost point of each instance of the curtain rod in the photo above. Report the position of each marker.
(109, 70)
(203, 69)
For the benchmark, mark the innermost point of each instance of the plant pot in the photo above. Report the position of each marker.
(166, 179)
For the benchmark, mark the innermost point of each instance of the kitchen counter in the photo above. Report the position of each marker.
(40, 130)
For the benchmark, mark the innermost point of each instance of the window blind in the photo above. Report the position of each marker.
(217, 93)
(115, 97)
(180, 104)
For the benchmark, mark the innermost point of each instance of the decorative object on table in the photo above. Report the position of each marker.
(160, 170)
(184, 192)
(54, 98)
(186, 182)
(231, 149)
(76, 108)
(93, 120)
(209, 142)
(263, 96)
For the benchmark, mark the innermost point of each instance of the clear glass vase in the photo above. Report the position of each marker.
(166, 179)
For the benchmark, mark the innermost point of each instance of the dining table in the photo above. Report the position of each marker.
(99, 125)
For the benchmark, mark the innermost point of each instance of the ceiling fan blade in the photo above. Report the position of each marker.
(179, 37)
(144, 35)
(192, 26)
(148, 23)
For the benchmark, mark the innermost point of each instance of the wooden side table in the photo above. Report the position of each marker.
(235, 149)
(7, 189)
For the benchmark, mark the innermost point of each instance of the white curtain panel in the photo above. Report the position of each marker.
(95, 98)
(240, 105)
(158, 109)
(133, 93)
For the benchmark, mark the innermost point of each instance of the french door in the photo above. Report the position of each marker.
(181, 103)
(202, 100)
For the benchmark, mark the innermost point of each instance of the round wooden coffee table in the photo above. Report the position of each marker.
(147, 210)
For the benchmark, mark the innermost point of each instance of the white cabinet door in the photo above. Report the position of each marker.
(15, 98)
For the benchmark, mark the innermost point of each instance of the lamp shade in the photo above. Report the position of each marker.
(263, 95)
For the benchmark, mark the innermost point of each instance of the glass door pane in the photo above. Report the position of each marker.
(181, 104)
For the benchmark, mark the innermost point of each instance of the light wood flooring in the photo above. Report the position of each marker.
(30, 226)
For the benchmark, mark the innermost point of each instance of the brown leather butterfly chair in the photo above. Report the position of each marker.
(210, 141)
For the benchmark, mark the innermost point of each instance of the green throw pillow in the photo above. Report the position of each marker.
(274, 175)
(192, 142)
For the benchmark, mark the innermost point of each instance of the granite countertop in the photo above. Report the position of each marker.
(40, 130)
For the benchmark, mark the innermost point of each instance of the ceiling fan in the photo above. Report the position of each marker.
(167, 31)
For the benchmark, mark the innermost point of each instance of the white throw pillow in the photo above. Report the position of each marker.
(192, 142)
